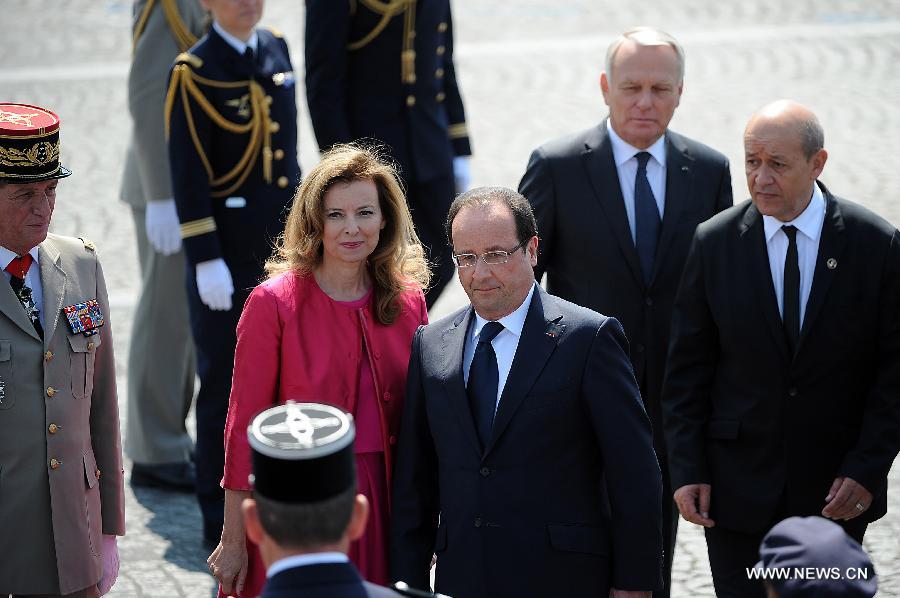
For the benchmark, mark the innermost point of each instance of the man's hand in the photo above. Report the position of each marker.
(614, 593)
(109, 555)
(214, 284)
(462, 175)
(693, 503)
(163, 228)
(846, 499)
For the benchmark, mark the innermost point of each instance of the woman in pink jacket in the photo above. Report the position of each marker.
(333, 324)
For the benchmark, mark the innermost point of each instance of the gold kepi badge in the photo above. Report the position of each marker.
(84, 317)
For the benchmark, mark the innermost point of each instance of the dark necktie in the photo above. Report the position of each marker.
(483, 380)
(250, 56)
(18, 269)
(646, 218)
(791, 296)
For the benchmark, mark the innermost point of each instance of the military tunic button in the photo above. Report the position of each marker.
(269, 100)
(90, 346)
(53, 428)
(54, 464)
(279, 154)
(51, 391)
(439, 74)
(48, 355)
(410, 101)
(442, 27)
(440, 96)
(274, 127)
(282, 182)
(440, 50)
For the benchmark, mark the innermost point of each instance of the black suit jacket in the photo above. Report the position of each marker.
(586, 245)
(753, 420)
(527, 516)
(330, 580)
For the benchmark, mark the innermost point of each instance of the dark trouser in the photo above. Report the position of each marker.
(731, 553)
(215, 339)
(429, 202)
(669, 527)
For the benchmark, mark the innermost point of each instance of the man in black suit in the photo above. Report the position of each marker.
(781, 395)
(617, 206)
(305, 510)
(517, 408)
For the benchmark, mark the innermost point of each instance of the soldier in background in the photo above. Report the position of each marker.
(161, 360)
(385, 71)
(231, 116)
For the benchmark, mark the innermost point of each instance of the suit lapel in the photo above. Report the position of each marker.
(453, 343)
(53, 283)
(679, 177)
(541, 332)
(12, 308)
(600, 167)
(831, 246)
(753, 239)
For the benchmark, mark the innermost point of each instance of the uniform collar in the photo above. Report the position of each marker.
(6, 256)
(238, 45)
(302, 560)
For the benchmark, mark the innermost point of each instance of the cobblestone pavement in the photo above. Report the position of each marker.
(529, 72)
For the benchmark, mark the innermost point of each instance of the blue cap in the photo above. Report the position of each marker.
(813, 556)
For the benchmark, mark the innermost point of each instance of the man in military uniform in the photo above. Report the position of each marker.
(384, 70)
(161, 353)
(304, 530)
(231, 118)
(61, 494)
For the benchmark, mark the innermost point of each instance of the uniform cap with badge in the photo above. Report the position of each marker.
(29, 144)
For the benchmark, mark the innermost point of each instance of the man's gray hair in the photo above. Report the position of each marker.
(812, 136)
(645, 36)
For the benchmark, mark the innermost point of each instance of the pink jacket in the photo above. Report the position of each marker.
(295, 342)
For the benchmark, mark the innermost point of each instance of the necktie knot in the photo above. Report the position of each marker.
(791, 232)
(489, 331)
(248, 54)
(18, 266)
(642, 158)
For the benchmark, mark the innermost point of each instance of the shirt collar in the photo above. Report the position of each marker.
(301, 560)
(235, 43)
(514, 322)
(809, 222)
(6, 256)
(624, 151)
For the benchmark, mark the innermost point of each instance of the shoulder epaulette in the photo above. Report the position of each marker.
(88, 244)
(183, 36)
(191, 59)
(276, 32)
(387, 11)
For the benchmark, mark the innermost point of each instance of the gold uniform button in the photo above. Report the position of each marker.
(269, 100)
(279, 154)
(90, 346)
(439, 74)
(51, 391)
(410, 101)
(274, 127)
(282, 182)
(412, 35)
(54, 464)
(440, 96)
(440, 50)
(48, 355)
(442, 27)
(53, 428)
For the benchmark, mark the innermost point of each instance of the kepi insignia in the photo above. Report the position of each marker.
(84, 317)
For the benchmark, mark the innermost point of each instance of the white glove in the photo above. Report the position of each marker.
(461, 173)
(163, 228)
(214, 284)
(109, 554)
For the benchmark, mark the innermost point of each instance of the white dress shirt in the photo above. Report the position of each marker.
(627, 167)
(809, 228)
(301, 560)
(504, 344)
(238, 45)
(32, 277)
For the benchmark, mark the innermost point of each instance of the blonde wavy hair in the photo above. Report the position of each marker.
(398, 262)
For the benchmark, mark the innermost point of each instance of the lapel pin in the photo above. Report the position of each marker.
(685, 169)
(554, 330)
(831, 263)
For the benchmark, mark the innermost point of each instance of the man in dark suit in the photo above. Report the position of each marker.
(384, 71)
(304, 530)
(780, 397)
(518, 406)
(617, 206)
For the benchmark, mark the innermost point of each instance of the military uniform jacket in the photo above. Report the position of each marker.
(162, 29)
(60, 454)
(232, 126)
(384, 70)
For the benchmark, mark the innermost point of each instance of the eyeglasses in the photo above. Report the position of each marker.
(491, 258)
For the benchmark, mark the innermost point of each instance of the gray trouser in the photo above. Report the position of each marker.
(161, 359)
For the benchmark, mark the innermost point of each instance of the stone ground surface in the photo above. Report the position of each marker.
(528, 71)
